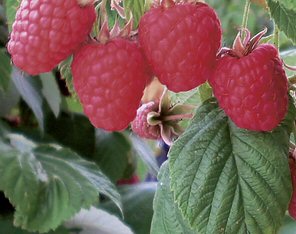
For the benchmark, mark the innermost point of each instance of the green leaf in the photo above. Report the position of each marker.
(3, 27)
(145, 153)
(47, 185)
(8, 99)
(228, 179)
(189, 97)
(7, 227)
(4, 129)
(5, 70)
(167, 218)
(289, 4)
(72, 104)
(137, 206)
(112, 15)
(72, 130)
(136, 7)
(30, 93)
(11, 7)
(51, 92)
(66, 74)
(289, 226)
(138, 210)
(112, 154)
(284, 17)
(289, 57)
(97, 221)
(194, 96)
(205, 92)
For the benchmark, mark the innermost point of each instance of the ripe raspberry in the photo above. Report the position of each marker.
(110, 79)
(133, 180)
(180, 42)
(140, 124)
(251, 86)
(46, 32)
(292, 205)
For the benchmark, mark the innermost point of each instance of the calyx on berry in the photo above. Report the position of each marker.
(84, 3)
(105, 34)
(168, 3)
(244, 47)
(168, 116)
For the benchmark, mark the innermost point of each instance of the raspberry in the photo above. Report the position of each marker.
(251, 86)
(46, 32)
(133, 180)
(140, 124)
(292, 205)
(110, 79)
(180, 42)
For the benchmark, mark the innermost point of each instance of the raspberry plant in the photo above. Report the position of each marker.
(83, 116)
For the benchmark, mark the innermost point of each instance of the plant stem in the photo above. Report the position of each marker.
(276, 35)
(245, 17)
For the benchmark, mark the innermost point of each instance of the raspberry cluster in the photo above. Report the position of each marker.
(178, 42)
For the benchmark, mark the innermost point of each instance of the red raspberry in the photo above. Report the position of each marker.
(110, 79)
(292, 205)
(252, 88)
(46, 32)
(140, 124)
(133, 180)
(180, 42)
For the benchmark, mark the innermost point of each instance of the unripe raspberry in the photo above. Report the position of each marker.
(140, 124)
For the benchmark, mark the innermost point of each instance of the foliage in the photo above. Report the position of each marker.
(167, 218)
(284, 15)
(228, 177)
(59, 174)
(5, 70)
(137, 205)
(35, 177)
